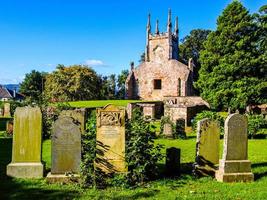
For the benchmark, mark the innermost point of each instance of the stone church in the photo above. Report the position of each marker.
(161, 77)
(161, 74)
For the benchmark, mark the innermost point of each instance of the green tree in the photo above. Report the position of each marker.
(32, 85)
(73, 83)
(231, 74)
(108, 87)
(191, 46)
(121, 84)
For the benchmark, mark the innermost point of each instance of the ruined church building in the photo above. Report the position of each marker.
(162, 78)
(161, 74)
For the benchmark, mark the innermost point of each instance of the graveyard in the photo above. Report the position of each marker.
(186, 120)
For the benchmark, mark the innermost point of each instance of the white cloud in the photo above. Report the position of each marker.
(94, 63)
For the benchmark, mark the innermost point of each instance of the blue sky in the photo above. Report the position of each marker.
(106, 34)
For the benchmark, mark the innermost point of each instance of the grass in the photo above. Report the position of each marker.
(185, 187)
(100, 103)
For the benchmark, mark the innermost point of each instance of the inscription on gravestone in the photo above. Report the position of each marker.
(111, 139)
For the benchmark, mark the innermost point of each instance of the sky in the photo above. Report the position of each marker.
(105, 34)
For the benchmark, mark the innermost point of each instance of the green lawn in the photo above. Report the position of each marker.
(100, 103)
(185, 187)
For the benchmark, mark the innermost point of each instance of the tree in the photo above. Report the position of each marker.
(231, 74)
(32, 85)
(191, 46)
(121, 84)
(108, 86)
(73, 83)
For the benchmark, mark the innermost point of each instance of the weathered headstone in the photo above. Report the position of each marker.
(167, 130)
(110, 139)
(7, 110)
(173, 156)
(66, 150)
(78, 115)
(26, 149)
(207, 147)
(235, 165)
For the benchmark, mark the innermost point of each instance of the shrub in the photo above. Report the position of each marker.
(89, 151)
(142, 154)
(255, 123)
(210, 115)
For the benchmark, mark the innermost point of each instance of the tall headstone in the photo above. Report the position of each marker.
(207, 147)
(26, 149)
(234, 165)
(66, 150)
(7, 110)
(110, 139)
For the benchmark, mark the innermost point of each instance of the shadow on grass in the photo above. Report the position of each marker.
(26, 189)
(138, 195)
(259, 175)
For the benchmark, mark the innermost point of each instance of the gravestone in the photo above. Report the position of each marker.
(66, 150)
(7, 110)
(26, 149)
(207, 147)
(234, 165)
(78, 115)
(1, 112)
(173, 156)
(110, 139)
(167, 130)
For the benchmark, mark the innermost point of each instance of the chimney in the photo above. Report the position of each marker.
(191, 64)
(14, 93)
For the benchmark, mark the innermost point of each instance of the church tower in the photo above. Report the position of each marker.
(162, 46)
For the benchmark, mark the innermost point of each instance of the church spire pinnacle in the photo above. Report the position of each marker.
(169, 25)
(176, 29)
(157, 27)
(148, 26)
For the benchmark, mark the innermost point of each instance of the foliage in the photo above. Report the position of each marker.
(142, 58)
(89, 151)
(32, 85)
(73, 83)
(121, 84)
(191, 46)
(142, 154)
(232, 74)
(107, 87)
(50, 114)
(255, 123)
(210, 115)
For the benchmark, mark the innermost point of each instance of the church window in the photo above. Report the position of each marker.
(157, 84)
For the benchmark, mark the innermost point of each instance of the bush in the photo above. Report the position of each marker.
(89, 151)
(255, 124)
(142, 154)
(210, 115)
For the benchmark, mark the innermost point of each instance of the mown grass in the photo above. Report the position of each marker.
(184, 187)
(101, 103)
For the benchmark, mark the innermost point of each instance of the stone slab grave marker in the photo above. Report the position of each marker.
(207, 147)
(110, 139)
(66, 150)
(26, 149)
(7, 110)
(167, 130)
(173, 157)
(234, 165)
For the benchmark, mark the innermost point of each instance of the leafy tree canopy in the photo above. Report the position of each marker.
(232, 73)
